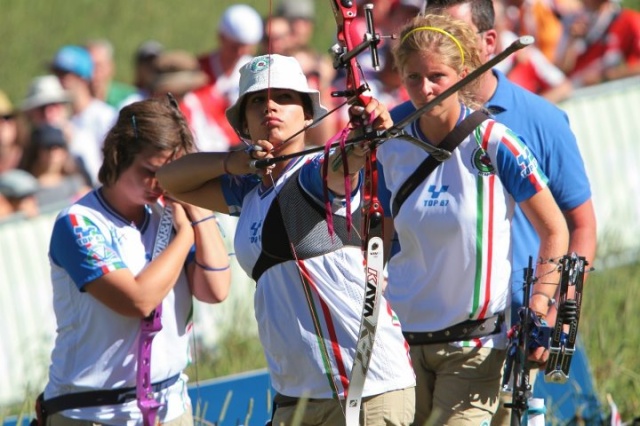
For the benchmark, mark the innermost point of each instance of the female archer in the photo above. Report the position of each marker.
(118, 255)
(450, 280)
(309, 281)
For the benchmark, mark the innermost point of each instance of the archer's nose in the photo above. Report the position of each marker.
(427, 87)
(271, 105)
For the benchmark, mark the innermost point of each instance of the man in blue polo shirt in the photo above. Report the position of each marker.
(545, 129)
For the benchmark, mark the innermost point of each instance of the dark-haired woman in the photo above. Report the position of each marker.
(117, 255)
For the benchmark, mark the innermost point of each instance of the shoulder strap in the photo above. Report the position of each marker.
(450, 142)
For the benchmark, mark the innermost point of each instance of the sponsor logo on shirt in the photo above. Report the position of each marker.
(481, 161)
(255, 232)
(88, 235)
(527, 162)
(435, 199)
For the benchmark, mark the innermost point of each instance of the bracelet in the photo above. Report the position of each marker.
(551, 300)
(195, 222)
(209, 268)
(225, 163)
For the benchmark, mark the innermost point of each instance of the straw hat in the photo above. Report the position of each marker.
(6, 108)
(178, 72)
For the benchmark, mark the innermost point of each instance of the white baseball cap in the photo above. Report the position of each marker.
(242, 24)
(275, 72)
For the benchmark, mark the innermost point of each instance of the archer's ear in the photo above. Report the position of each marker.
(308, 122)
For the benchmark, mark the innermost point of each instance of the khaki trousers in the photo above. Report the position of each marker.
(393, 408)
(58, 420)
(456, 386)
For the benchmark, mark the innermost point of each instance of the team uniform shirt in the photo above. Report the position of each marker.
(96, 348)
(458, 267)
(309, 310)
(545, 130)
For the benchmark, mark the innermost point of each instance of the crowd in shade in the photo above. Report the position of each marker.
(577, 43)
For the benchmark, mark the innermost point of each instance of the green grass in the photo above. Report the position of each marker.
(610, 333)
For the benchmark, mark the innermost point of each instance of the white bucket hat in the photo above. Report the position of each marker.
(44, 90)
(275, 72)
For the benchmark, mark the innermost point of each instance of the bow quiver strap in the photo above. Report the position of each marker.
(450, 142)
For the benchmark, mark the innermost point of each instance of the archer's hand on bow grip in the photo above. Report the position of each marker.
(373, 116)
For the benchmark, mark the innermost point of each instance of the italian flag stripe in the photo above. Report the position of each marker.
(518, 149)
(484, 238)
(309, 289)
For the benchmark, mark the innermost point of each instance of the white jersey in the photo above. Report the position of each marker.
(455, 228)
(96, 348)
(309, 309)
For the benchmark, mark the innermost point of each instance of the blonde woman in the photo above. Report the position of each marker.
(450, 281)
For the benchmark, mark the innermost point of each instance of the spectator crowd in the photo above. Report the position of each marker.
(51, 139)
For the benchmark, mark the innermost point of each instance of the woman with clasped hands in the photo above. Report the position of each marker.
(119, 254)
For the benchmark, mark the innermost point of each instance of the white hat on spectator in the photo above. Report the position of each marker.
(242, 24)
(275, 72)
(44, 90)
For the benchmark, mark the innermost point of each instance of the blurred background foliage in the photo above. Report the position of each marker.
(31, 31)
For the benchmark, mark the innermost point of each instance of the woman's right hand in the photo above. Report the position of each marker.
(241, 162)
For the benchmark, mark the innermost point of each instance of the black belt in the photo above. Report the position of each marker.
(466, 330)
(99, 397)
(288, 401)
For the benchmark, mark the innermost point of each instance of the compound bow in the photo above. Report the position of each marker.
(531, 333)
